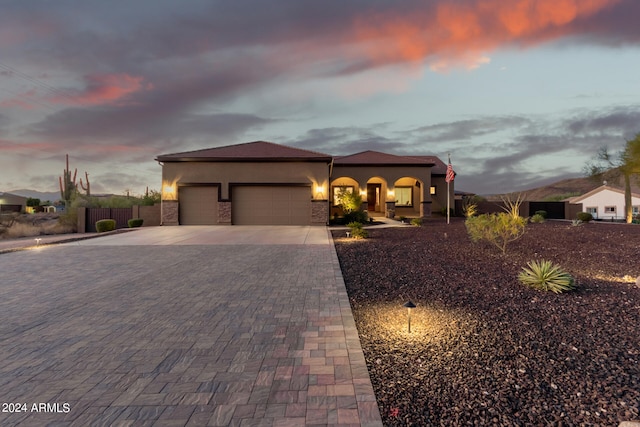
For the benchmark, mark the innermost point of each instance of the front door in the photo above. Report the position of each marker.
(373, 197)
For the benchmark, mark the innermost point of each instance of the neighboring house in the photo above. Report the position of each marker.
(606, 202)
(12, 203)
(266, 183)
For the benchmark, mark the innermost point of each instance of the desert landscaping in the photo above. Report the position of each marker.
(484, 349)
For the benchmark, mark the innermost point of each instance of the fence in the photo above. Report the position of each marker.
(555, 210)
(87, 217)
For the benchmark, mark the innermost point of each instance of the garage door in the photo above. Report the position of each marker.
(271, 205)
(198, 205)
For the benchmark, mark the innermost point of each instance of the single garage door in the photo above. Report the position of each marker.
(198, 205)
(271, 205)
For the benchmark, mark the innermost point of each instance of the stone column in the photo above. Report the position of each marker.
(170, 212)
(319, 212)
(390, 209)
(224, 212)
(425, 209)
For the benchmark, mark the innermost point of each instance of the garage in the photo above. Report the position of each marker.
(198, 205)
(271, 205)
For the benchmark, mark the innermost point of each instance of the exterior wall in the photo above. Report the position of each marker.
(227, 174)
(607, 198)
(319, 212)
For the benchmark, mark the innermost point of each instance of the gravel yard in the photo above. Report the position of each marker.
(486, 350)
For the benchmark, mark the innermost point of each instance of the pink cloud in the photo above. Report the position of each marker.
(462, 33)
(105, 89)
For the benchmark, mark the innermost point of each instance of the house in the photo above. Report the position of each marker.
(265, 183)
(12, 203)
(606, 203)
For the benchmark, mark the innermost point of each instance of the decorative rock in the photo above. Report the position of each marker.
(629, 424)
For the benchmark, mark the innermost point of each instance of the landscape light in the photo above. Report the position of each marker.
(37, 239)
(410, 305)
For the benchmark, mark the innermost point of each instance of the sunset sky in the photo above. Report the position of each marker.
(520, 92)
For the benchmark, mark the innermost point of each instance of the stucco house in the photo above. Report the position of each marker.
(12, 203)
(265, 183)
(606, 203)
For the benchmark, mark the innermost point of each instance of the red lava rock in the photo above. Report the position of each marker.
(486, 347)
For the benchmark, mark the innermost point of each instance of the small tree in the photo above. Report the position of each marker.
(351, 202)
(33, 202)
(499, 229)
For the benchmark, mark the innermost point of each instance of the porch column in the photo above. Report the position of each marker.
(390, 209)
(170, 209)
(425, 209)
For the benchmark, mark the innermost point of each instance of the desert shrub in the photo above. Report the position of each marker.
(576, 222)
(496, 228)
(135, 222)
(537, 218)
(469, 208)
(543, 214)
(105, 225)
(357, 232)
(356, 216)
(546, 276)
(584, 216)
(416, 221)
(402, 218)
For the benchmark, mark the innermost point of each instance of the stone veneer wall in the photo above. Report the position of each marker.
(425, 209)
(224, 213)
(319, 212)
(170, 210)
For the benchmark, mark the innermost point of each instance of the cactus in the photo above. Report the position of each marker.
(86, 188)
(67, 184)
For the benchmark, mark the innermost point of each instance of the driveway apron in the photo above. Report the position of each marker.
(175, 326)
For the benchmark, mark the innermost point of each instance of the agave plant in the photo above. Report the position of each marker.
(546, 276)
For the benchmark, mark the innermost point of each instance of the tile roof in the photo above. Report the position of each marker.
(377, 158)
(249, 151)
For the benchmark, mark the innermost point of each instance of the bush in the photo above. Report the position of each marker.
(537, 218)
(105, 225)
(496, 228)
(546, 276)
(356, 216)
(542, 213)
(416, 222)
(357, 232)
(584, 216)
(135, 222)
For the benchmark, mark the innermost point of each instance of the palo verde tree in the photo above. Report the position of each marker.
(611, 167)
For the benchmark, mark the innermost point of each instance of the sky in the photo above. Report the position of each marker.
(520, 93)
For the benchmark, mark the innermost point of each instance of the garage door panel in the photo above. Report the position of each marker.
(271, 205)
(198, 205)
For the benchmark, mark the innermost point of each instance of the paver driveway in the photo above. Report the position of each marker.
(181, 326)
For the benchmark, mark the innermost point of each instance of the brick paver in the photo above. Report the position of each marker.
(180, 335)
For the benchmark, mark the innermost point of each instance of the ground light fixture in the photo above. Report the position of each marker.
(410, 305)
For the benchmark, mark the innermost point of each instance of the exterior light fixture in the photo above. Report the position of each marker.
(319, 191)
(37, 239)
(410, 305)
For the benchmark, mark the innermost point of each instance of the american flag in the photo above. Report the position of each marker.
(450, 174)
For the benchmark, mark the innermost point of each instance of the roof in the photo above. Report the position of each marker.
(578, 199)
(259, 151)
(366, 158)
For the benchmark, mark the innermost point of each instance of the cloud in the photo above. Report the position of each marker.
(102, 89)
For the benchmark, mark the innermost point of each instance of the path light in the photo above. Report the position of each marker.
(37, 239)
(409, 306)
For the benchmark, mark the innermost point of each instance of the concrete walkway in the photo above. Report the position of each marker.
(175, 326)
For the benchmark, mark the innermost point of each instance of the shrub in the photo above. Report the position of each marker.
(546, 276)
(135, 222)
(537, 218)
(105, 225)
(584, 216)
(576, 222)
(357, 232)
(496, 228)
(416, 221)
(356, 216)
(542, 213)
(469, 208)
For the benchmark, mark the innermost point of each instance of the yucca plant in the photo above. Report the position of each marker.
(546, 276)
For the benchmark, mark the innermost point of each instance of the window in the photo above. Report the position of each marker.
(610, 209)
(592, 210)
(337, 190)
(635, 210)
(404, 196)
(432, 190)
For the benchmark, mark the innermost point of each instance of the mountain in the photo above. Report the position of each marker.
(571, 187)
(43, 196)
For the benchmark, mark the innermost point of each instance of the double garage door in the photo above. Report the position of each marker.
(271, 205)
(251, 205)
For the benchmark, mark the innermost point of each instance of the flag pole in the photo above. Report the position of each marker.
(448, 193)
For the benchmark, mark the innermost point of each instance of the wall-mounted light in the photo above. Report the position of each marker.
(319, 191)
(391, 194)
(410, 305)
(169, 192)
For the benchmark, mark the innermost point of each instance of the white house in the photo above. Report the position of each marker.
(606, 202)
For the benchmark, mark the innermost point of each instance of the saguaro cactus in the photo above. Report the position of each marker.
(67, 183)
(86, 188)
